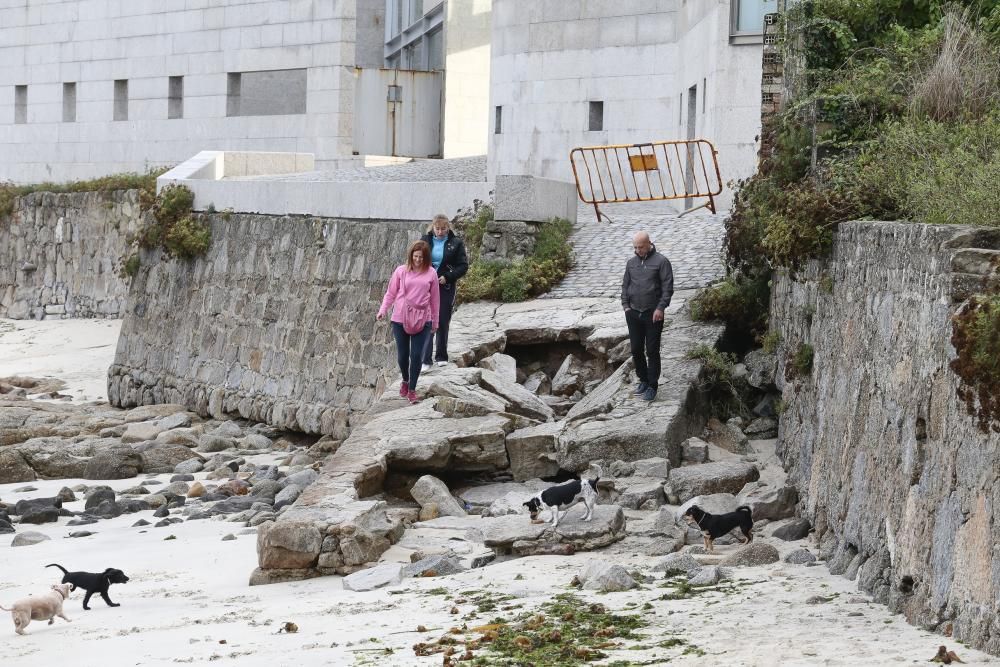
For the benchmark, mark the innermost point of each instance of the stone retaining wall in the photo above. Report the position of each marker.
(59, 254)
(902, 487)
(276, 323)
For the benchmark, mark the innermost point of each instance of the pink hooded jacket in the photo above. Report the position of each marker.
(422, 289)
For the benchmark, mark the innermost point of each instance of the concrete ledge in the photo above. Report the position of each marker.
(530, 199)
(205, 173)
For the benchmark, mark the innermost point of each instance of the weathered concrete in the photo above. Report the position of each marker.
(902, 487)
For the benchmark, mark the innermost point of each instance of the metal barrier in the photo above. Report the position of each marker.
(657, 171)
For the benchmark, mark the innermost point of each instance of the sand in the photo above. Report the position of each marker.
(189, 602)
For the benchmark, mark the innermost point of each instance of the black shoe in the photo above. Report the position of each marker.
(641, 389)
(649, 394)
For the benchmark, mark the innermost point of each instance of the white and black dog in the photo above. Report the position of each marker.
(564, 496)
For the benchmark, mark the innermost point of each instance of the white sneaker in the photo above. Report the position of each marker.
(425, 367)
(442, 363)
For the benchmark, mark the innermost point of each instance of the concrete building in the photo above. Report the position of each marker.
(89, 87)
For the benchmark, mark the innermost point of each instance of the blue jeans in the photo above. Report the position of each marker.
(444, 319)
(409, 351)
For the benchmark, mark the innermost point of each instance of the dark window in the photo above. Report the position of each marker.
(596, 117)
(175, 97)
(498, 121)
(20, 104)
(121, 99)
(69, 102)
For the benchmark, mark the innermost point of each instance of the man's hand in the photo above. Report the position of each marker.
(441, 280)
(657, 315)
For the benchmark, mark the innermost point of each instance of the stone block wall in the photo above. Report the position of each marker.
(59, 254)
(276, 323)
(901, 485)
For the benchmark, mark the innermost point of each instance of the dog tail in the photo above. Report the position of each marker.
(745, 508)
(5, 608)
(59, 566)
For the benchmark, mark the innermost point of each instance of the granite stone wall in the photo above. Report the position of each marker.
(902, 487)
(59, 254)
(276, 323)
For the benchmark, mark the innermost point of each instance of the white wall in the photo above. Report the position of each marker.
(552, 57)
(467, 35)
(44, 43)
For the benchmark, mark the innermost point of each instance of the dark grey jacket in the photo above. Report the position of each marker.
(648, 283)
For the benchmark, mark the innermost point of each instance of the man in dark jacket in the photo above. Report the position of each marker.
(647, 288)
(450, 261)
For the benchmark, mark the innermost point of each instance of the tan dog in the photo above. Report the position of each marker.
(41, 608)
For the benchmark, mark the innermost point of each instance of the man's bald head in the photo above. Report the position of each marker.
(641, 243)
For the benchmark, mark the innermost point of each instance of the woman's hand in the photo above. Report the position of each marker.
(441, 280)
(380, 317)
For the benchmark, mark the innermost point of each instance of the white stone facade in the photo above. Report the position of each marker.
(641, 59)
(45, 44)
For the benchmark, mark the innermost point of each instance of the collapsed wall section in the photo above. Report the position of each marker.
(901, 485)
(59, 254)
(275, 323)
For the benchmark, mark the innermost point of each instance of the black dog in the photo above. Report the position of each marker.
(713, 526)
(93, 582)
(564, 495)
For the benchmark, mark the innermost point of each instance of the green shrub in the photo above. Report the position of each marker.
(800, 363)
(739, 301)
(173, 227)
(522, 279)
(727, 396)
(131, 266)
(976, 338)
(770, 341)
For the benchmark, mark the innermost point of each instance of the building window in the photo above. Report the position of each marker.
(121, 99)
(747, 18)
(175, 97)
(69, 102)
(266, 93)
(595, 117)
(20, 105)
(498, 121)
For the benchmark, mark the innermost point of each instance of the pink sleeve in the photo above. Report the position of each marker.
(391, 292)
(435, 299)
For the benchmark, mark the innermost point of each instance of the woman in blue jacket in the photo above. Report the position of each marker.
(450, 261)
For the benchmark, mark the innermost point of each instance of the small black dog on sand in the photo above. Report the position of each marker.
(93, 582)
(713, 526)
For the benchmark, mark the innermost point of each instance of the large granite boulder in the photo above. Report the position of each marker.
(728, 436)
(381, 575)
(502, 364)
(606, 577)
(522, 401)
(518, 535)
(116, 462)
(288, 544)
(429, 489)
(164, 458)
(28, 538)
(761, 369)
(634, 492)
(754, 554)
(14, 468)
(532, 451)
(769, 502)
(142, 431)
(707, 478)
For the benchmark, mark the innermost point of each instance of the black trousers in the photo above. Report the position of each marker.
(644, 338)
(444, 319)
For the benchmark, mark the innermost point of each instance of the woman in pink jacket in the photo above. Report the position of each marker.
(413, 287)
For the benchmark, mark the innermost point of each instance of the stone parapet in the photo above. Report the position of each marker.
(898, 480)
(60, 253)
(275, 323)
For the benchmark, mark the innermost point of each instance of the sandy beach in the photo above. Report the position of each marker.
(189, 601)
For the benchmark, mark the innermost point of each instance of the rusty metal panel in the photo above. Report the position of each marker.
(655, 171)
